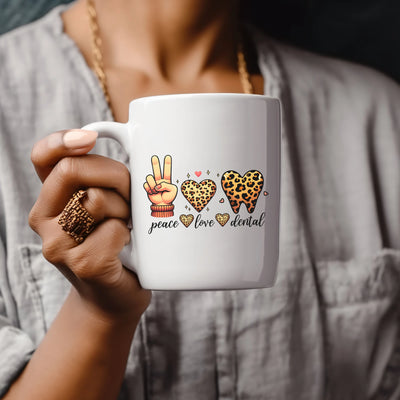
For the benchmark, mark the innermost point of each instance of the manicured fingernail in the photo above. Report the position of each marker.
(76, 138)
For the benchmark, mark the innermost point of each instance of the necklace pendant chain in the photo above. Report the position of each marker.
(98, 63)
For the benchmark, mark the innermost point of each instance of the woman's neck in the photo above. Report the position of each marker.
(168, 39)
(154, 47)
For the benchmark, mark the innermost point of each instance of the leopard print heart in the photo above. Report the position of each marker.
(222, 219)
(198, 194)
(186, 219)
(242, 189)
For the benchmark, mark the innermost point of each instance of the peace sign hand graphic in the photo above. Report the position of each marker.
(160, 191)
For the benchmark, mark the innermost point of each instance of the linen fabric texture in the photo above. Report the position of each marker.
(329, 329)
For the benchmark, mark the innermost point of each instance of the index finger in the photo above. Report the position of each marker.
(167, 168)
(156, 168)
(51, 149)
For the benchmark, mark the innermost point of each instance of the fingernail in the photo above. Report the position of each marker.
(158, 187)
(76, 138)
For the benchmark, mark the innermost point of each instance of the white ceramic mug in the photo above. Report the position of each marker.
(205, 181)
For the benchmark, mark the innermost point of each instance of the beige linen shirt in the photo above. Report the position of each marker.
(329, 329)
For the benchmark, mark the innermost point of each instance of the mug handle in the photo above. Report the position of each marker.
(112, 130)
(120, 133)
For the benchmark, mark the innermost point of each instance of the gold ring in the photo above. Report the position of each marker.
(75, 220)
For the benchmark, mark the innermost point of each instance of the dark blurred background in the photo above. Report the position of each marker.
(364, 31)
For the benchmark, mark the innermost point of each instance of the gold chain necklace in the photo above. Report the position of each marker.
(98, 64)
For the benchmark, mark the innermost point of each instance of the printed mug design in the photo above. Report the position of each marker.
(242, 189)
(222, 219)
(186, 219)
(198, 194)
(237, 188)
(160, 191)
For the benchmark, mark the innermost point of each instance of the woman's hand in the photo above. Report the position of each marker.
(93, 267)
(84, 353)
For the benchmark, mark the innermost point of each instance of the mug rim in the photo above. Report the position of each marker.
(199, 95)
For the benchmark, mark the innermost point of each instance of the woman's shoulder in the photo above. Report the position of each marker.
(30, 50)
(338, 97)
(44, 28)
(311, 74)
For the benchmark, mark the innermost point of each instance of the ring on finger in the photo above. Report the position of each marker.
(75, 219)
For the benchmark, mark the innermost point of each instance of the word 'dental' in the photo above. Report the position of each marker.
(249, 221)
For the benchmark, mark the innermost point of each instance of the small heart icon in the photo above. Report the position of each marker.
(197, 173)
(222, 219)
(186, 219)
